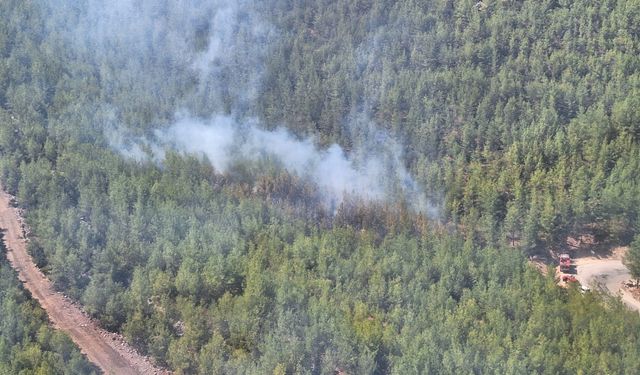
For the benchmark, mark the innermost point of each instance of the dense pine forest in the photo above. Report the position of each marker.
(517, 122)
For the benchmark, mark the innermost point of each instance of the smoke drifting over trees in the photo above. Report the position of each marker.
(522, 115)
(218, 50)
(374, 173)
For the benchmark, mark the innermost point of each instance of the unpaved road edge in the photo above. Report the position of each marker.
(608, 273)
(106, 350)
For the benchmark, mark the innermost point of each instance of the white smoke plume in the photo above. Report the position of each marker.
(203, 60)
(374, 173)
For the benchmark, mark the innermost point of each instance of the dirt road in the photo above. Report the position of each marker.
(107, 350)
(608, 274)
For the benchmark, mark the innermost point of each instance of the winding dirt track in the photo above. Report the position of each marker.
(106, 350)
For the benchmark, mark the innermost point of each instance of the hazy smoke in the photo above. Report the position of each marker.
(204, 59)
(373, 173)
(230, 68)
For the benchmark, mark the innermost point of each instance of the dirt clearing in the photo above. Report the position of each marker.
(107, 350)
(606, 273)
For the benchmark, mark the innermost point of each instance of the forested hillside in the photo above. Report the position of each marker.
(519, 120)
(525, 115)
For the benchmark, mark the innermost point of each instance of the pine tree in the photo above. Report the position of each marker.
(632, 259)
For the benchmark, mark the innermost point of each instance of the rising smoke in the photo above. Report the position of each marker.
(375, 173)
(220, 47)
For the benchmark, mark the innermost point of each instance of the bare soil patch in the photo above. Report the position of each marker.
(595, 265)
(602, 268)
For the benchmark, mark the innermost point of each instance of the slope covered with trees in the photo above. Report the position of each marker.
(520, 117)
(524, 115)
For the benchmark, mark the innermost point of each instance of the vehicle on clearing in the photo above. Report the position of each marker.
(565, 262)
(584, 289)
(568, 278)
